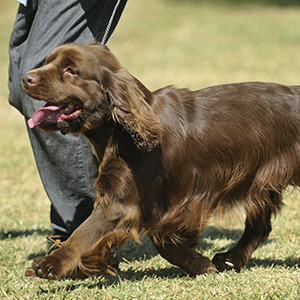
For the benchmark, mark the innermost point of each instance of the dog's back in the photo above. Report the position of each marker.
(228, 144)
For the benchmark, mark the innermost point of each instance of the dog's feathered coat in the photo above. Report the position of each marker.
(167, 159)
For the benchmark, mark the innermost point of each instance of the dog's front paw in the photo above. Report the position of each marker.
(48, 267)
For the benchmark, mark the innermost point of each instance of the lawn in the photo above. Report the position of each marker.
(188, 44)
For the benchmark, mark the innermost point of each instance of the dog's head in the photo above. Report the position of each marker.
(85, 86)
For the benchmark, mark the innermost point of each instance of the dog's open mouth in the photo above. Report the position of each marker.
(54, 114)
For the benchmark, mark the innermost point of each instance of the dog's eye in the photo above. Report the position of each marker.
(71, 71)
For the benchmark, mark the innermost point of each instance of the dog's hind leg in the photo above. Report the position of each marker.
(184, 255)
(257, 230)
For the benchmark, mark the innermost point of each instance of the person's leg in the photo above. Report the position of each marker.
(64, 162)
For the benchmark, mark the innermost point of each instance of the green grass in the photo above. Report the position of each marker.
(189, 44)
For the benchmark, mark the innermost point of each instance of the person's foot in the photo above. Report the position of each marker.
(57, 241)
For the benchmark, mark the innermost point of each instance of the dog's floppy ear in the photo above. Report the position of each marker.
(130, 100)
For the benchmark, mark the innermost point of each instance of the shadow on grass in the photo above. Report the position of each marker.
(147, 251)
(289, 262)
(20, 233)
(106, 281)
(132, 275)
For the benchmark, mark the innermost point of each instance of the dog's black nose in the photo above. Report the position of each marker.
(30, 79)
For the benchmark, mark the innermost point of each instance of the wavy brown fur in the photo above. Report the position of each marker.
(168, 159)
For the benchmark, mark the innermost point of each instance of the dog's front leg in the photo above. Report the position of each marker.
(66, 261)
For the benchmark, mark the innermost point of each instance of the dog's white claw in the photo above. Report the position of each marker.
(229, 263)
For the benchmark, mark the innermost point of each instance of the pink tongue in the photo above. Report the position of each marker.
(48, 112)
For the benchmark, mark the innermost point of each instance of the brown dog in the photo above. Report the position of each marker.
(167, 159)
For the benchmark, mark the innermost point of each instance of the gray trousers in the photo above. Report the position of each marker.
(64, 162)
